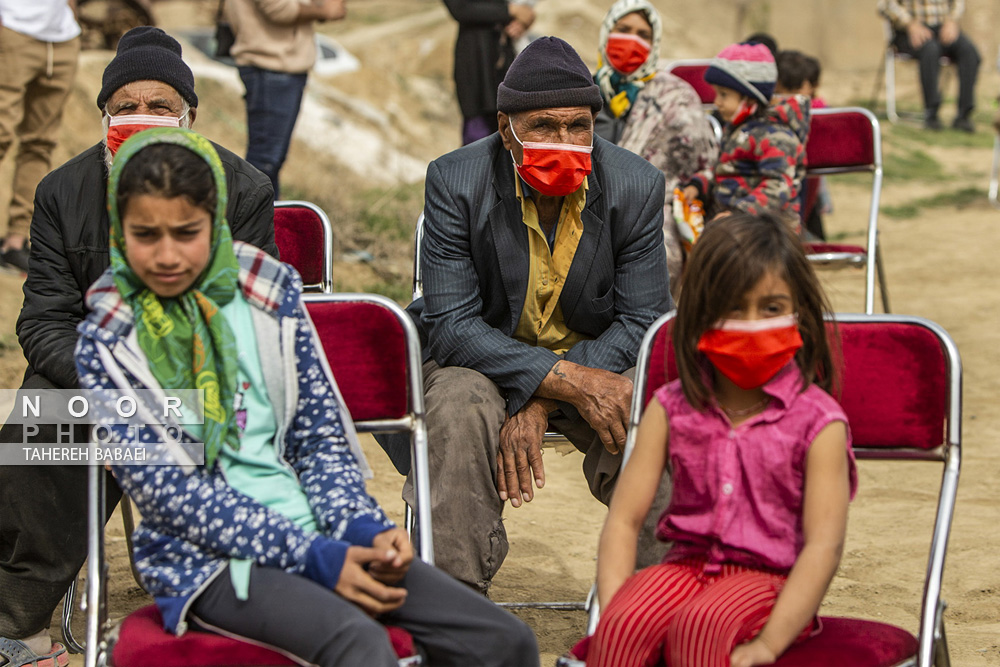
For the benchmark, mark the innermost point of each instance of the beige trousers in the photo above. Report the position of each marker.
(35, 80)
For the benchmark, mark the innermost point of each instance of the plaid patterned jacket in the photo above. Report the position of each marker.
(193, 522)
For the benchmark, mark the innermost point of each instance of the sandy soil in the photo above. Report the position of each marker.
(939, 265)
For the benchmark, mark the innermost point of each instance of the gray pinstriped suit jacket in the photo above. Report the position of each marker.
(475, 266)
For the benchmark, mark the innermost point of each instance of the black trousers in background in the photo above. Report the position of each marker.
(453, 624)
(43, 529)
(962, 51)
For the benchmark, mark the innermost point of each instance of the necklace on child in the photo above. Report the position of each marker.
(743, 412)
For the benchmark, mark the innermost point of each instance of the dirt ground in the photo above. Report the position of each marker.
(940, 264)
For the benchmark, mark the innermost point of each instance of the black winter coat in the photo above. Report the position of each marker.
(69, 250)
(482, 53)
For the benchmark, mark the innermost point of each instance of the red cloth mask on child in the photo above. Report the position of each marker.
(751, 352)
(626, 53)
(554, 170)
(744, 111)
(121, 128)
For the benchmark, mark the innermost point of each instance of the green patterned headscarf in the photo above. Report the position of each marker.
(186, 339)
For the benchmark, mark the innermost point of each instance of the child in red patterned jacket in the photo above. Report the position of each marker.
(762, 161)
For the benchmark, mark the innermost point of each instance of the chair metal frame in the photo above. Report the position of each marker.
(871, 257)
(932, 641)
(995, 173)
(96, 650)
(326, 282)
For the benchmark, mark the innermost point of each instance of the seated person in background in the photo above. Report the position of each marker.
(928, 30)
(652, 113)
(798, 74)
(762, 160)
(286, 548)
(43, 535)
(766, 39)
(543, 266)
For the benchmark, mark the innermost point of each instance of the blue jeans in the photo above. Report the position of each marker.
(273, 100)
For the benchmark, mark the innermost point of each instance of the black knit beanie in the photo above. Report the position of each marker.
(548, 74)
(147, 53)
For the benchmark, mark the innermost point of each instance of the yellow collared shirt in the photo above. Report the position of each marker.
(541, 322)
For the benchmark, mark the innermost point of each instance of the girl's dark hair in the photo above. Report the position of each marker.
(168, 170)
(731, 256)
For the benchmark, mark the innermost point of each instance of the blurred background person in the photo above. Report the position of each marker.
(649, 111)
(484, 50)
(39, 46)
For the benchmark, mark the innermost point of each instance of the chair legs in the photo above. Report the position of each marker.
(890, 86)
(995, 173)
(880, 271)
(69, 605)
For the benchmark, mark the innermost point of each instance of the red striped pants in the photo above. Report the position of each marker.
(677, 614)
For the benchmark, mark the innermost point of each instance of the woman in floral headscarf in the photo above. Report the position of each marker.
(650, 112)
(278, 508)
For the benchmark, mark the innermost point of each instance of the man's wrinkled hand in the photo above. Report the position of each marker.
(356, 585)
(519, 459)
(606, 401)
(395, 543)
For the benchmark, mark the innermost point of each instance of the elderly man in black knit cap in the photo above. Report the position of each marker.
(42, 508)
(543, 266)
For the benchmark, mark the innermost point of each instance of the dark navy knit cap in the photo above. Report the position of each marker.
(147, 54)
(548, 74)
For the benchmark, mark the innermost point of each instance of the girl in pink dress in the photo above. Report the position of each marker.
(761, 463)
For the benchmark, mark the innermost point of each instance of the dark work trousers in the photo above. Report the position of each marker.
(272, 100)
(465, 411)
(452, 623)
(962, 51)
(43, 529)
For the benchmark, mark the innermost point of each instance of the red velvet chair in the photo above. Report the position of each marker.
(902, 392)
(693, 71)
(371, 347)
(304, 236)
(848, 140)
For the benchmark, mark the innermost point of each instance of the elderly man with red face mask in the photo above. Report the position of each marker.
(43, 508)
(543, 265)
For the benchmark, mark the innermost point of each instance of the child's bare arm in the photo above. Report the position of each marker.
(634, 493)
(824, 524)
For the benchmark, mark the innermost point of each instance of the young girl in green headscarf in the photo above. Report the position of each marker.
(273, 538)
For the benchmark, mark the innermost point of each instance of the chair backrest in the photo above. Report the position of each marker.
(373, 350)
(693, 71)
(304, 236)
(901, 389)
(843, 140)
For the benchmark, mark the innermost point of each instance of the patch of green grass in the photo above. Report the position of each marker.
(904, 164)
(957, 199)
(388, 213)
(982, 138)
(399, 290)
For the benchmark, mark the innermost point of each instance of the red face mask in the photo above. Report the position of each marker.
(121, 128)
(626, 53)
(554, 170)
(751, 352)
(744, 111)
